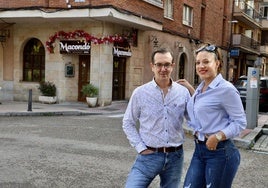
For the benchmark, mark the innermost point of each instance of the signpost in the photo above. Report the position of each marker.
(252, 100)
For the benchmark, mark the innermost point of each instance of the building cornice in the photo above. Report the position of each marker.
(109, 14)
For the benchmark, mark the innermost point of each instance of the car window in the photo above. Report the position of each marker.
(241, 83)
(262, 84)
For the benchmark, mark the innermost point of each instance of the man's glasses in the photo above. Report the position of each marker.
(208, 48)
(165, 65)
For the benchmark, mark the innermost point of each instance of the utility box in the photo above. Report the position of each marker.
(252, 100)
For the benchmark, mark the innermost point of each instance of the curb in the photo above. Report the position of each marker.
(52, 113)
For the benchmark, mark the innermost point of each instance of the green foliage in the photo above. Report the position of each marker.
(90, 90)
(47, 89)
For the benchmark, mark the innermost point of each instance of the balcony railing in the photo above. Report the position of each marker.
(247, 9)
(241, 40)
(246, 13)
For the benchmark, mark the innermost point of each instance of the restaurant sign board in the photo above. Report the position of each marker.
(117, 51)
(74, 47)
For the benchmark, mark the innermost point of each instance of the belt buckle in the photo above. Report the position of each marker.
(164, 149)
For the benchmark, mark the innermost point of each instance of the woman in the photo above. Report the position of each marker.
(216, 116)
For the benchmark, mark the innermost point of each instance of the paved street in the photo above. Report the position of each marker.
(85, 151)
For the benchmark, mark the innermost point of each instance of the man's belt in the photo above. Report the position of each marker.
(165, 149)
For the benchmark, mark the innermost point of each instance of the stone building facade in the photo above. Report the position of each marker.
(115, 38)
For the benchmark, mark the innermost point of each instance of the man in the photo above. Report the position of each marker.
(159, 108)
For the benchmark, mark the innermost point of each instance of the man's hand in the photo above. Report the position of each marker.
(146, 152)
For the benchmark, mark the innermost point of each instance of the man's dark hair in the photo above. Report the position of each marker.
(162, 51)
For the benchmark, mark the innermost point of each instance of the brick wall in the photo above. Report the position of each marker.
(138, 7)
(135, 6)
(215, 12)
(22, 3)
(212, 20)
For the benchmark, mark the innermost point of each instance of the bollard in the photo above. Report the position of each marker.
(30, 100)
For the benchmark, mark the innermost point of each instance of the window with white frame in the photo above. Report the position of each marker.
(187, 15)
(79, 1)
(157, 3)
(168, 9)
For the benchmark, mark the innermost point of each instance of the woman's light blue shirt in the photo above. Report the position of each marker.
(219, 108)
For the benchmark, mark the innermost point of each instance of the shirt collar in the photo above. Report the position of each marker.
(213, 84)
(216, 81)
(155, 84)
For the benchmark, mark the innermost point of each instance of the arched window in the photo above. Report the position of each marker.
(34, 61)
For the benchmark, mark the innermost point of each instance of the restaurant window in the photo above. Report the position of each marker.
(34, 61)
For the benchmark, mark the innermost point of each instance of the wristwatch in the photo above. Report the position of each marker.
(218, 136)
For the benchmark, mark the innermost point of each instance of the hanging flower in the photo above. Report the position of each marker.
(80, 34)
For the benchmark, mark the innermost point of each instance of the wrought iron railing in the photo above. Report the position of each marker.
(244, 41)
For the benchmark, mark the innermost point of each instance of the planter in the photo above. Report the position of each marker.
(91, 101)
(48, 100)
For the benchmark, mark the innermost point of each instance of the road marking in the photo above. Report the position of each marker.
(116, 116)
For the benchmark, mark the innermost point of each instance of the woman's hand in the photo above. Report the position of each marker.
(212, 140)
(186, 84)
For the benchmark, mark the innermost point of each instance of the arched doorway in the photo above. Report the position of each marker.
(181, 68)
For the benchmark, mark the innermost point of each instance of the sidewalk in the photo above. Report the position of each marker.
(247, 139)
(14, 108)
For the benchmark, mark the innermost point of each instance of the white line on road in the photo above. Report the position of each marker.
(116, 116)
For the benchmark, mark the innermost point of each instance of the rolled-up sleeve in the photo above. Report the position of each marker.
(237, 117)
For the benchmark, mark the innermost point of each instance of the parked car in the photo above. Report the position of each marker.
(241, 85)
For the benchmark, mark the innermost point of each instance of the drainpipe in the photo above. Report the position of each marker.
(231, 22)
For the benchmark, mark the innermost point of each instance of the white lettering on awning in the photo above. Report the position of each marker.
(121, 53)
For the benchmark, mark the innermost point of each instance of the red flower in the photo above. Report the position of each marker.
(80, 33)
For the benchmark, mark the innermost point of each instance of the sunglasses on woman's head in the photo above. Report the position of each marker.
(208, 48)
